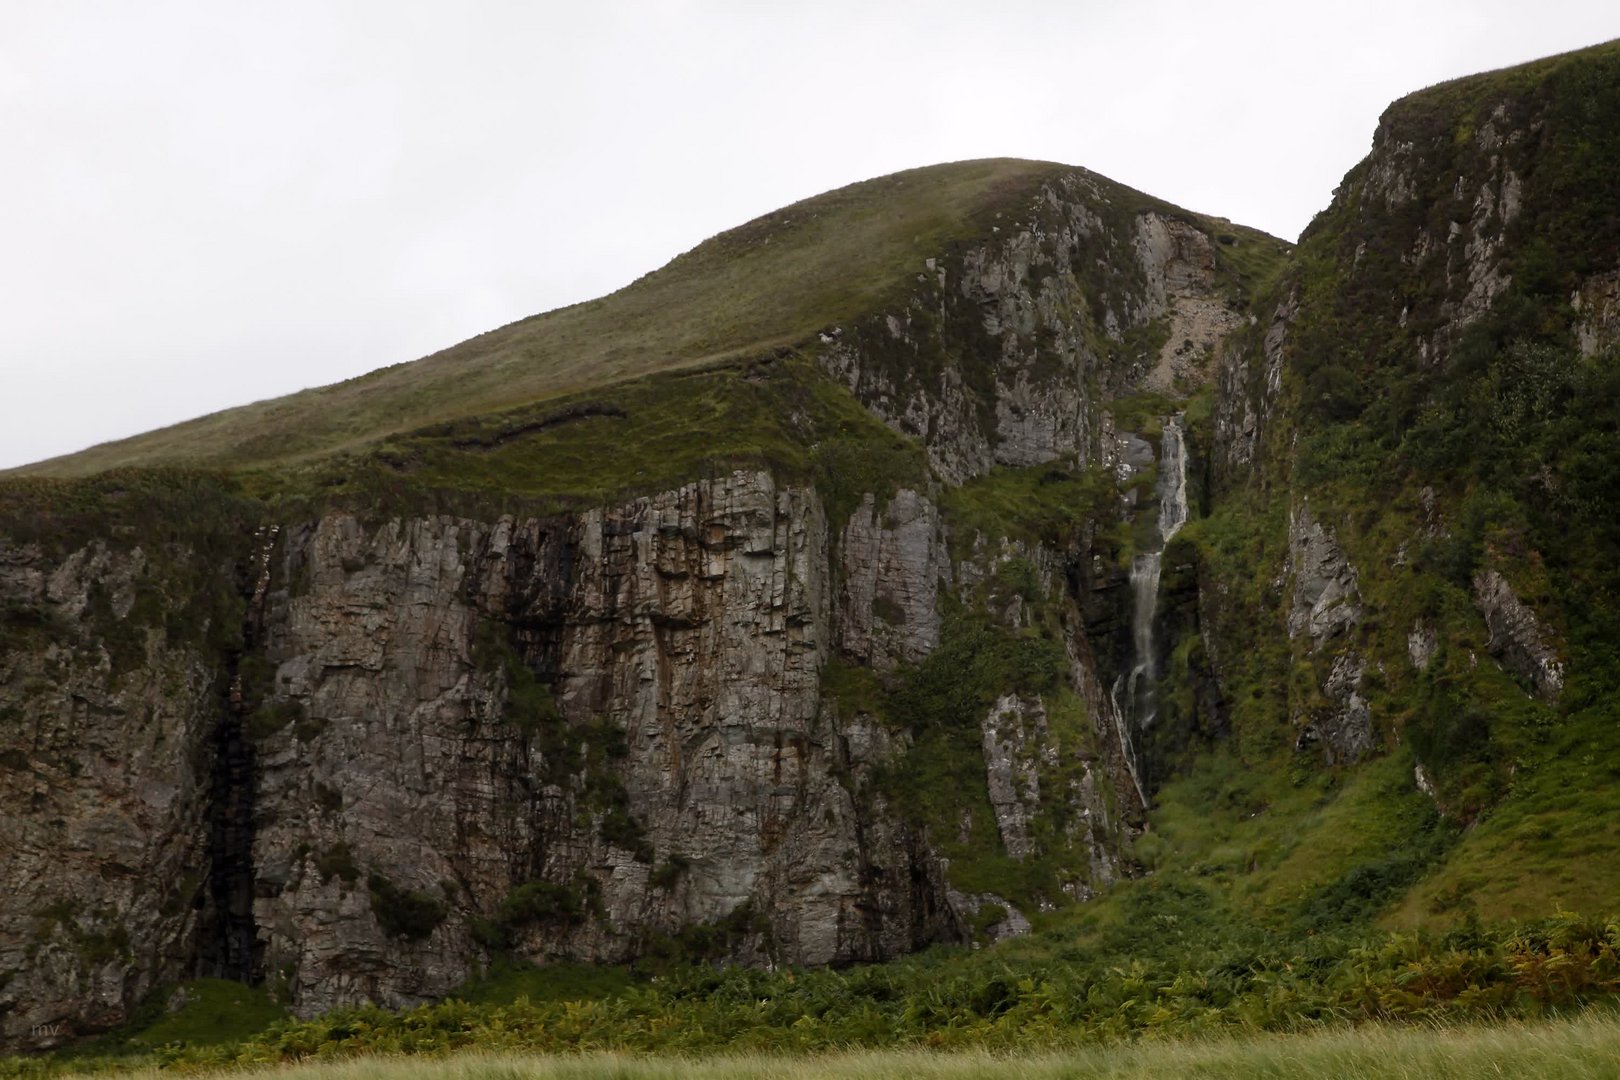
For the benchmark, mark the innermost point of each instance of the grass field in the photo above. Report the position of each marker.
(1587, 1047)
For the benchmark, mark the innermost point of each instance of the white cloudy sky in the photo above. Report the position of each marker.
(206, 203)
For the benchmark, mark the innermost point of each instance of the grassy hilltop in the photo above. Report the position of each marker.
(766, 286)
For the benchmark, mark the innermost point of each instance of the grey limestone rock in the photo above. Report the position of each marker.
(1325, 604)
(687, 628)
(1421, 645)
(1326, 600)
(1344, 731)
(1597, 307)
(1518, 639)
(1021, 301)
(1248, 387)
(894, 562)
(1014, 738)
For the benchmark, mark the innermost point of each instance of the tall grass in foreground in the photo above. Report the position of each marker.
(1588, 1047)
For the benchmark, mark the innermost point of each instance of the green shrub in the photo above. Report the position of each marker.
(669, 873)
(337, 861)
(272, 716)
(620, 828)
(535, 903)
(404, 913)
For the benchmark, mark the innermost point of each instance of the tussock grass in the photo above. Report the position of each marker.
(1587, 1047)
(1560, 832)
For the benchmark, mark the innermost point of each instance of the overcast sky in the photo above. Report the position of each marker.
(205, 203)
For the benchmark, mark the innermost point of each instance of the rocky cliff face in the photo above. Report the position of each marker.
(675, 769)
(1006, 353)
(431, 739)
(110, 699)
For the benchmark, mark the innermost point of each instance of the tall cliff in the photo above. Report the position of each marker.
(805, 658)
(892, 570)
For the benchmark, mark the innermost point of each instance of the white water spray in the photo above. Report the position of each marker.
(1141, 696)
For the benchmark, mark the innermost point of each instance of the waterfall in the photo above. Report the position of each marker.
(1141, 695)
(1172, 486)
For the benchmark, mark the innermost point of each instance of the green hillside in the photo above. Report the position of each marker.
(769, 284)
(1452, 409)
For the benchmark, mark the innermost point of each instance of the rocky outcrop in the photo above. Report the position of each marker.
(1597, 313)
(675, 768)
(894, 563)
(1518, 639)
(103, 716)
(1178, 262)
(1014, 736)
(1463, 255)
(1326, 600)
(1018, 750)
(1060, 337)
(1249, 380)
(1326, 604)
(1472, 251)
(1176, 257)
(1343, 730)
(1421, 645)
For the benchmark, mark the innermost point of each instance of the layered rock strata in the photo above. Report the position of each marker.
(561, 737)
